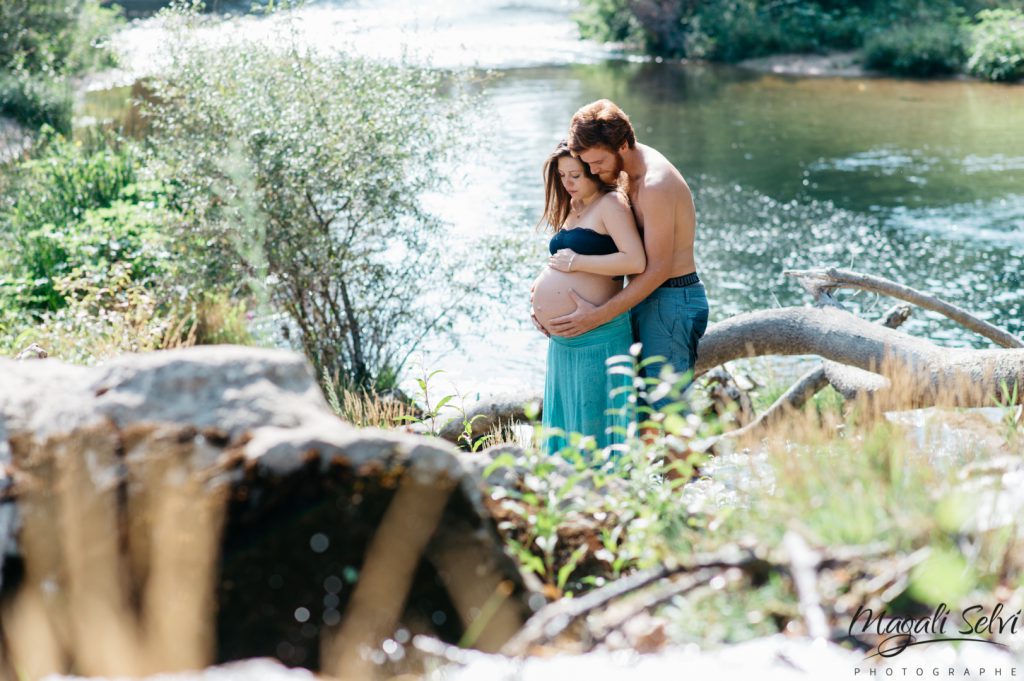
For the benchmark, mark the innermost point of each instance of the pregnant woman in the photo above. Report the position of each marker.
(595, 241)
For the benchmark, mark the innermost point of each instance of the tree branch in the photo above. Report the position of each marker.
(832, 278)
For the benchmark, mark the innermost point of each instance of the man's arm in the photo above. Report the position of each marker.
(658, 208)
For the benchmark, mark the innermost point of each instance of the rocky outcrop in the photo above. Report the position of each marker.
(191, 506)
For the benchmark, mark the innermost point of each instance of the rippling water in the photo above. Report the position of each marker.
(922, 182)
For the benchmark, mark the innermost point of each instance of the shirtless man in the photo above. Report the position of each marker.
(667, 302)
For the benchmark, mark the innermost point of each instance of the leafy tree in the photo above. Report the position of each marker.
(339, 152)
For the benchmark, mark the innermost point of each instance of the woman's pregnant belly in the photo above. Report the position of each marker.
(551, 292)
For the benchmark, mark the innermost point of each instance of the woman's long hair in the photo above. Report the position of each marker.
(557, 202)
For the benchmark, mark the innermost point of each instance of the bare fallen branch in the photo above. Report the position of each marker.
(831, 278)
(554, 619)
(651, 598)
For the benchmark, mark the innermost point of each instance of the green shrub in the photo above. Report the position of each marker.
(304, 174)
(997, 45)
(78, 209)
(56, 37)
(215, 318)
(608, 21)
(745, 29)
(36, 100)
(918, 50)
(42, 43)
(735, 31)
(102, 318)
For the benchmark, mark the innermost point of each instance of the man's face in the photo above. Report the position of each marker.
(603, 162)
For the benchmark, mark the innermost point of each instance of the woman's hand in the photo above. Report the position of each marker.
(562, 260)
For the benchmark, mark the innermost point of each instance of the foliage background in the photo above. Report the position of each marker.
(904, 37)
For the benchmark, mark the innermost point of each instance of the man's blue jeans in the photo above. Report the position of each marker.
(669, 323)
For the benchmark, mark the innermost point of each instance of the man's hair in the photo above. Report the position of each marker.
(600, 124)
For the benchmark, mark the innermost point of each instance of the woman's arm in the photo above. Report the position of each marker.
(618, 220)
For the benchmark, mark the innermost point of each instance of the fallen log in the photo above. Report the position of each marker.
(922, 373)
(486, 416)
(810, 384)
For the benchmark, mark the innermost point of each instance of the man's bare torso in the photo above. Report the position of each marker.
(661, 181)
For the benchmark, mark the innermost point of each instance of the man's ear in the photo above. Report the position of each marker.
(623, 147)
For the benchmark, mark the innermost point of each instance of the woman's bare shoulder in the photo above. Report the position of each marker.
(614, 202)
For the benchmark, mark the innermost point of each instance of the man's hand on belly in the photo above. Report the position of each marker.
(584, 318)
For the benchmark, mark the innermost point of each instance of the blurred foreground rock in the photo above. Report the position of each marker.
(173, 509)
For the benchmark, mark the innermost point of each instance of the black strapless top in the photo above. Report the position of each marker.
(582, 240)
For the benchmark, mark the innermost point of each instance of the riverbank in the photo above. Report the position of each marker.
(902, 39)
(846, 64)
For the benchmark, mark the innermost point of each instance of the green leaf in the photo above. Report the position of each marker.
(675, 424)
(943, 577)
(566, 570)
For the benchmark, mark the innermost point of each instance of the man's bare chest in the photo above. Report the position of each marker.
(635, 197)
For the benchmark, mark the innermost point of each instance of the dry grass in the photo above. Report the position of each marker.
(368, 410)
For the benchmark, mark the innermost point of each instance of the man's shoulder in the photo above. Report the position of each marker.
(660, 173)
(663, 186)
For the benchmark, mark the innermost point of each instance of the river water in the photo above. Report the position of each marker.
(918, 181)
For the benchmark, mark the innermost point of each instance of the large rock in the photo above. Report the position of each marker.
(199, 505)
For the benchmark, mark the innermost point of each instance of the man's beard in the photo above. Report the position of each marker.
(612, 176)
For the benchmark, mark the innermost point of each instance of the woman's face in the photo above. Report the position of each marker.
(579, 186)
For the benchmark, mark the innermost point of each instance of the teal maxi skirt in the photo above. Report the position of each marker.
(578, 387)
